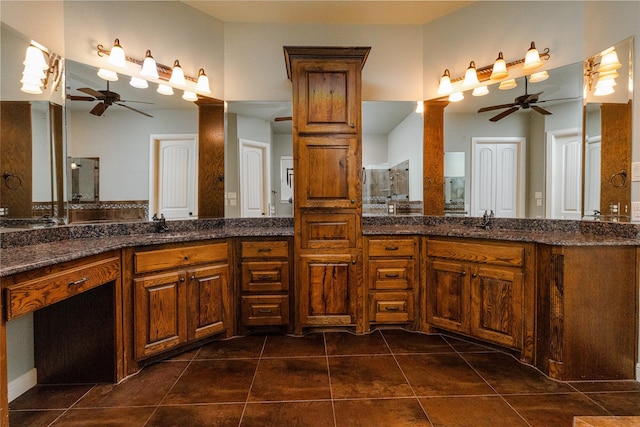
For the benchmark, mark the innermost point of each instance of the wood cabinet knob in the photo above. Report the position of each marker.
(464, 273)
(182, 279)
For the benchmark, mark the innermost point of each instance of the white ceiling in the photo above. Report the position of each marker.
(327, 12)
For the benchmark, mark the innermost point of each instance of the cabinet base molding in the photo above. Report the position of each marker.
(22, 384)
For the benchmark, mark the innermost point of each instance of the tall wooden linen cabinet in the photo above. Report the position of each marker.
(327, 152)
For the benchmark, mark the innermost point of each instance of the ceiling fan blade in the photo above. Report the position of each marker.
(541, 110)
(283, 119)
(133, 109)
(92, 92)
(495, 107)
(532, 97)
(558, 99)
(81, 98)
(99, 109)
(503, 114)
(137, 102)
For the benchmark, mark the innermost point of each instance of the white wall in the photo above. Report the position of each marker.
(374, 149)
(405, 142)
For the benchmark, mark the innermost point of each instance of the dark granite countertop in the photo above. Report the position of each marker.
(26, 250)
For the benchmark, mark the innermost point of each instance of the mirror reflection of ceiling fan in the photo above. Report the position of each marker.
(106, 98)
(524, 102)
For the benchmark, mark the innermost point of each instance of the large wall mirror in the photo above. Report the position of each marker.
(259, 164)
(31, 153)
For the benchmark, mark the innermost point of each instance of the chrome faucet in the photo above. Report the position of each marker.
(160, 223)
(486, 219)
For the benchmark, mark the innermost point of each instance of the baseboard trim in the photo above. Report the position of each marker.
(23, 383)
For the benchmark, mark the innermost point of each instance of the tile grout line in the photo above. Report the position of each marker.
(415, 396)
(326, 355)
(255, 373)
(72, 405)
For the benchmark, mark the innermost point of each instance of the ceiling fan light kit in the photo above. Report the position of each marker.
(499, 71)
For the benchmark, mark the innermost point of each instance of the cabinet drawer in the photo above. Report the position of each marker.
(391, 307)
(506, 255)
(164, 259)
(391, 274)
(265, 310)
(265, 249)
(265, 276)
(30, 295)
(392, 247)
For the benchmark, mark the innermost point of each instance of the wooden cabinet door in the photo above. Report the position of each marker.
(496, 308)
(159, 313)
(448, 295)
(329, 172)
(328, 286)
(328, 96)
(209, 304)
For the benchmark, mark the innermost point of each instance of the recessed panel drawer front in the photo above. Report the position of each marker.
(391, 307)
(265, 276)
(337, 230)
(511, 256)
(265, 310)
(265, 249)
(392, 247)
(391, 274)
(30, 295)
(165, 259)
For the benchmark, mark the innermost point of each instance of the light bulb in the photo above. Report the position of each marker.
(149, 67)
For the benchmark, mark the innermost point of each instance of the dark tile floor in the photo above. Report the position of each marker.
(386, 378)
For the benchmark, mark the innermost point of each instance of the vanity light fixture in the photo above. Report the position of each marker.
(499, 70)
(117, 56)
(507, 84)
(445, 87)
(480, 91)
(538, 77)
(177, 76)
(532, 59)
(149, 67)
(39, 64)
(203, 83)
(604, 71)
(609, 61)
(470, 76)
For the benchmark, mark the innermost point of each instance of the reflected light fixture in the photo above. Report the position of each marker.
(164, 89)
(34, 59)
(203, 83)
(149, 67)
(39, 64)
(420, 107)
(445, 87)
(117, 57)
(189, 96)
(538, 77)
(609, 61)
(139, 83)
(507, 84)
(532, 59)
(177, 76)
(470, 76)
(480, 91)
(456, 97)
(109, 75)
(499, 70)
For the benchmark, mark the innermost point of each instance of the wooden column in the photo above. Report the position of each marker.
(433, 157)
(58, 161)
(210, 158)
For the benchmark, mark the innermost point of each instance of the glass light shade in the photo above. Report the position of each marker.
(608, 82)
(139, 83)
(34, 57)
(420, 107)
(203, 83)
(34, 72)
(149, 67)
(470, 76)
(456, 97)
(177, 76)
(608, 75)
(32, 89)
(31, 80)
(609, 61)
(480, 91)
(189, 96)
(603, 90)
(507, 84)
(116, 56)
(499, 70)
(109, 75)
(538, 77)
(164, 89)
(532, 59)
(445, 87)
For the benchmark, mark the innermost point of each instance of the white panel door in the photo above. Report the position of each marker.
(564, 168)
(173, 168)
(483, 182)
(506, 180)
(254, 178)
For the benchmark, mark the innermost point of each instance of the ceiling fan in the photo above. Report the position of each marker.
(523, 101)
(107, 99)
